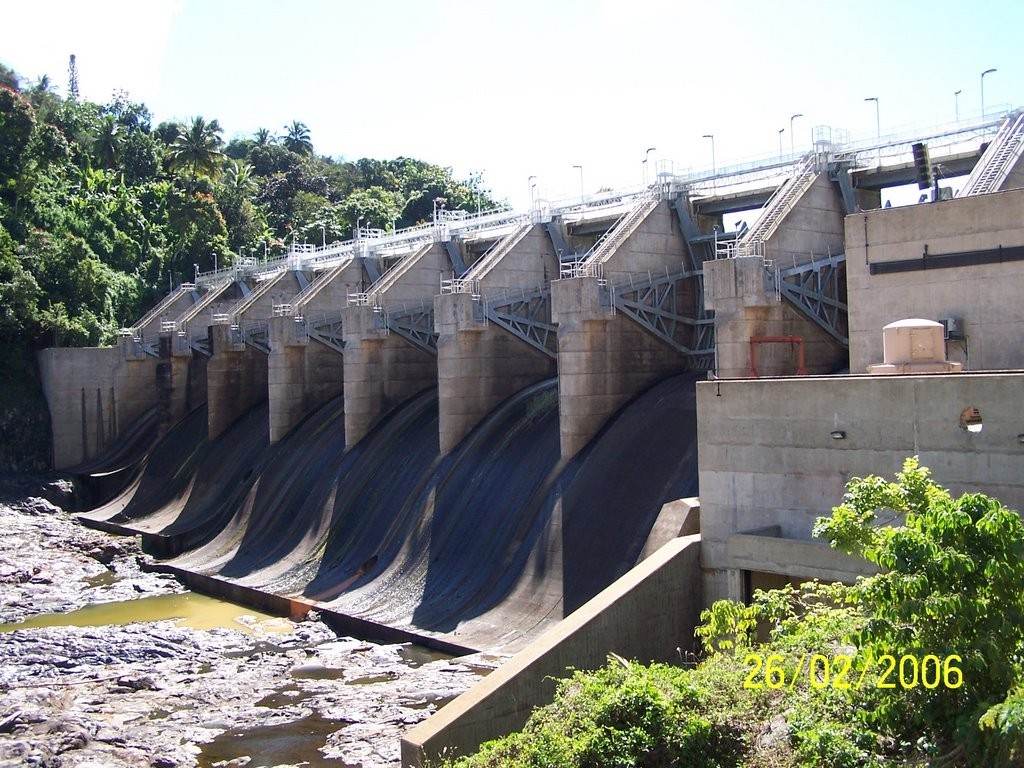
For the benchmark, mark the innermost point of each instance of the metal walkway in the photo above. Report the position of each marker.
(999, 159)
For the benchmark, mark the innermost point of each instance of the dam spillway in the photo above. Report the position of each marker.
(480, 548)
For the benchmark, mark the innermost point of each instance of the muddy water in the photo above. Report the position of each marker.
(187, 609)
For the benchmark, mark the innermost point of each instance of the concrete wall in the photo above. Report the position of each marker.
(986, 296)
(767, 457)
(380, 372)
(645, 615)
(236, 380)
(478, 366)
(301, 375)
(93, 394)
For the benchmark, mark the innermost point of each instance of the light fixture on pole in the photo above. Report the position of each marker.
(791, 119)
(781, 131)
(197, 272)
(956, 103)
(580, 167)
(533, 186)
(986, 72)
(878, 126)
(647, 155)
(714, 171)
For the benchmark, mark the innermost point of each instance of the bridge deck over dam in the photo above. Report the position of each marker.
(468, 428)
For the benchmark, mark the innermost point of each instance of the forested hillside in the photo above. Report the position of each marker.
(101, 210)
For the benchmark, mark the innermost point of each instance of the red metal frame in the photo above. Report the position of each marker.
(798, 340)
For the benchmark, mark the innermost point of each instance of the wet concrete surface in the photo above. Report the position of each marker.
(155, 693)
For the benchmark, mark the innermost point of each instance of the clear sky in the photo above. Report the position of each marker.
(534, 87)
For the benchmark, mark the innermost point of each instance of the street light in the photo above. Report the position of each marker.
(956, 103)
(197, 272)
(646, 155)
(323, 235)
(580, 167)
(878, 126)
(781, 131)
(714, 172)
(791, 119)
(986, 72)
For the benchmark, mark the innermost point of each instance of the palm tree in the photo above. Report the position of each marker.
(297, 138)
(107, 143)
(197, 148)
(238, 177)
(263, 137)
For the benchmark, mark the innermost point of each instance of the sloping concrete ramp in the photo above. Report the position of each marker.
(481, 548)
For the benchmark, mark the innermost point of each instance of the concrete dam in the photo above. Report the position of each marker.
(459, 433)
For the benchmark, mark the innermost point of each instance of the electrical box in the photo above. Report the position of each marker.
(954, 327)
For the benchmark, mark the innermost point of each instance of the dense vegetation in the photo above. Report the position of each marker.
(100, 210)
(950, 588)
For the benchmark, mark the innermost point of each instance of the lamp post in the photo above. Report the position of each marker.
(956, 103)
(714, 171)
(580, 168)
(791, 119)
(197, 272)
(878, 126)
(647, 154)
(323, 235)
(781, 131)
(986, 72)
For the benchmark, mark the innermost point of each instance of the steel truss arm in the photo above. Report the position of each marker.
(818, 290)
(415, 326)
(671, 307)
(527, 316)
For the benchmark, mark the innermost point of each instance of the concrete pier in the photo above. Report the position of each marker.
(605, 359)
(303, 373)
(237, 372)
(382, 369)
(478, 363)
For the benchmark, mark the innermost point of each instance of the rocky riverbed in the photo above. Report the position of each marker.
(159, 694)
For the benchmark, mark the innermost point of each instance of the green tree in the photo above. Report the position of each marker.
(197, 149)
(297, 138)
(106, 145)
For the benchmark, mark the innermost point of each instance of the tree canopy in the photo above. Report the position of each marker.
(99, 209)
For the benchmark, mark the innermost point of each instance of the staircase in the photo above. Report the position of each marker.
(772, 213)
(624, 227)
(161, 307)
(497, 252)
(391, 277)
(193, 311)
(311, 290)
(232, 315)
(999, 159)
